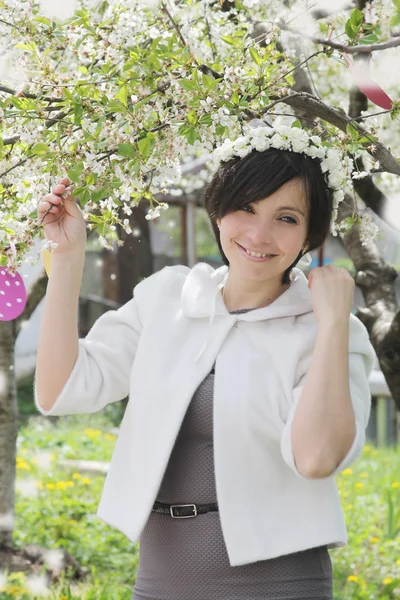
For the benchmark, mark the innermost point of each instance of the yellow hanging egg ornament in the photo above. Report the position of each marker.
(47, 260)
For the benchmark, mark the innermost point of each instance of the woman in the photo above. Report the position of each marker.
(248, 392)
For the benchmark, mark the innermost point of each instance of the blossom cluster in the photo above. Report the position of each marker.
(121, 73)
(295, 139)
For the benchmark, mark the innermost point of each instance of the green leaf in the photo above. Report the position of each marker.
(235, 98)
(397, 4)
(192, 136)
(350, 30)
(352, 131)
(192, 117)
(209, 82)
(255, 56)
(188, 85)
(78, 112)
(115, 106)
(103, 192)
(395, 20)
(356, 18)
(75, 172)
(134, 167)
(30, 48)
(369, 39)
(196, 77)
(146, 145)
(296, 124)
(205, 120)
(40, 149)
(229, 40)
(122, 95)
(43, 20)
(126, 150)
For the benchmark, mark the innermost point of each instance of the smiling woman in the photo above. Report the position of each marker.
(276, 203)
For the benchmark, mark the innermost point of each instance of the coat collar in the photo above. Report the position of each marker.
(201, 298)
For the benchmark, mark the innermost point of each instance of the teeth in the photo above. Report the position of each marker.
(257, 255)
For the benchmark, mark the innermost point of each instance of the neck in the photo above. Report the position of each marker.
(239, 294)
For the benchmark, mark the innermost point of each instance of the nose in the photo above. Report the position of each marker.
(258, 234)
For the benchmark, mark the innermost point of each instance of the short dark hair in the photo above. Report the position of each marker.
(240, 181)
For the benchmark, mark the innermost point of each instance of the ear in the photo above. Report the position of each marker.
(218, 222)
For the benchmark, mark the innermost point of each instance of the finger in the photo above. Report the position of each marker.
(52, 199)
(59, 189)
(45, 206)
(67, 192)
(65, 181)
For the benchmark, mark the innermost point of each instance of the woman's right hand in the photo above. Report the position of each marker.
(64, 224)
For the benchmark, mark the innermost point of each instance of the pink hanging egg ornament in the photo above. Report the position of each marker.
(13, 295)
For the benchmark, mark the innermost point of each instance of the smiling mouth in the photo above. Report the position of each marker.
(256, 254)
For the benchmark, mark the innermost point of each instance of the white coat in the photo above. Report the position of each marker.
(158, 348)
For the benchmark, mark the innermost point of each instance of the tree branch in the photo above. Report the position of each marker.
(339, 119)
(359, 49)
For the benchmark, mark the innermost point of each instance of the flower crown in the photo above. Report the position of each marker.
(334, 167)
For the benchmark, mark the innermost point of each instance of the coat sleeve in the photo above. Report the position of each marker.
(101, 374)
(361, 361)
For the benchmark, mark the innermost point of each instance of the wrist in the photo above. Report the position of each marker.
(334, 323)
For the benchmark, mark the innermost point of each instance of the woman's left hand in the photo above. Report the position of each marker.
(332, 293)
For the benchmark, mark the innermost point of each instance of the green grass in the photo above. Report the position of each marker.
(57, 510)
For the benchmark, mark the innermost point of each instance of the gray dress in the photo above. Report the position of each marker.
(186, 559)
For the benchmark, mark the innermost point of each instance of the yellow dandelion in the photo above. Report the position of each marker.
(367, 447)
(374, 539)
(76, 476)
(359, 484)
(364, 475)
(398, 561)
(347, 471)
(352, 578)
(23, 465)
(349, 506)
(86, 480)
(16, 590)
(69, 484)
(110, 436)
(72, 521)
(39, 484)
(387, 580)
(92, 433)
(50, 486)
(396, 484)
(60, 485)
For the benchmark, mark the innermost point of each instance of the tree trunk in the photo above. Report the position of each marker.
(374, 277)
(135, 259)
(8, 432)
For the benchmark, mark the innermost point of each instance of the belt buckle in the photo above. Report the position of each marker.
(181, 506)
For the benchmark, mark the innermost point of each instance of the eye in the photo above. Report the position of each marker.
(247, 207)
(292, 221)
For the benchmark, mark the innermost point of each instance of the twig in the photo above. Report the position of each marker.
(7, 90)
(175, 25)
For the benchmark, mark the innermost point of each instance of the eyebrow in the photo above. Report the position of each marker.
(291, 208)
(286, 208)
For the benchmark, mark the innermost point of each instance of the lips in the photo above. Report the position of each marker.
(267, 253)
(255, 258)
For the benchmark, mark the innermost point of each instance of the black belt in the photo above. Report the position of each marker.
(183, 511)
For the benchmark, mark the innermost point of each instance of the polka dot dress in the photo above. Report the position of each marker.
(186, 559)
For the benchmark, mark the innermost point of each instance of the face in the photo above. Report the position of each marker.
(264, 227)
